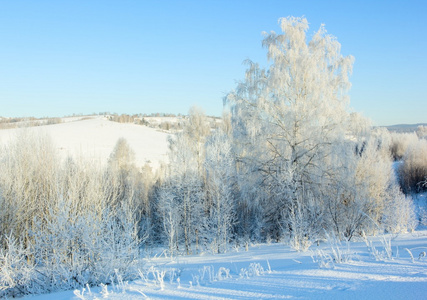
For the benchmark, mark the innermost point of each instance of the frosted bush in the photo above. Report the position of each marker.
(413, 171)
(71, 251)
(399, 212)
(17, 272)
(400, 143)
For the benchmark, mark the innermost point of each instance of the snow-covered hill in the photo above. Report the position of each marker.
(96, 137)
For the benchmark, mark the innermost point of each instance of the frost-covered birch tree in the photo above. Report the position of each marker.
(286, 117)
(184, 181)
(220, 186)
(170, 215)
(126, 183)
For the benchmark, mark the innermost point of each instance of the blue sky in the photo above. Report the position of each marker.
(63, 57)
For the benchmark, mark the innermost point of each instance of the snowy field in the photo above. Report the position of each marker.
(275, 271)
(95, 139)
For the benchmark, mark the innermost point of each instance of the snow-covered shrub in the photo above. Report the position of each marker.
(74, 250)
(373, 177)
(399, 212)
(400, 143)
(413, 171)
(422, 131)
(365, 196)
(73, 230)
(29, 182)
(17, 271)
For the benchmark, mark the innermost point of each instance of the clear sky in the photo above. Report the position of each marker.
(63, 57)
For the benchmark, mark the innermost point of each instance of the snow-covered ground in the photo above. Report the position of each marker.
(276, 272)
(96, 137)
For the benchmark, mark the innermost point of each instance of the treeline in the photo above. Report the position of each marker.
(166, 122)
(8, 123)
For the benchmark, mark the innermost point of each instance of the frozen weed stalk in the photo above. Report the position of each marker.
(254, 269)
(223, 273)
(207, 271)
(385, 254)
(339, 253)
(158, 276)
(421, 255)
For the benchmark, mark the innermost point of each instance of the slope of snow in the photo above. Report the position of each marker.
(276, 272)
(95, 139)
